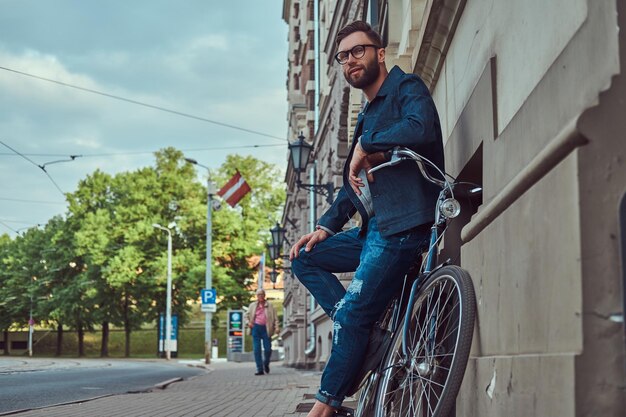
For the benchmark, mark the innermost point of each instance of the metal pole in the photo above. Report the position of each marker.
(208, 343)
(316, 45)
(211, 190)
(30, 321)
(168, 311)
(310, 349)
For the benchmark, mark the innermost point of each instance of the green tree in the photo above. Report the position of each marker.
(63, 280)
(89, 221)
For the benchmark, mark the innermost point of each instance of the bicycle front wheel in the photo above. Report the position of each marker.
(426, 381)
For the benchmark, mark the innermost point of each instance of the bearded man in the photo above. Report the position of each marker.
(396, 208)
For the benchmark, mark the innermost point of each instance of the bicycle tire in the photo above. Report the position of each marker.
(426, 384)
(367, 381)
(367, 396)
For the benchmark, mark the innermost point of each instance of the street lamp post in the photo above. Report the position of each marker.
(31, 322)
(300, 151)
(211, 191)
(168, 302)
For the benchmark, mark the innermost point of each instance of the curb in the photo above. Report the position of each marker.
(23, 410)
(164, 384)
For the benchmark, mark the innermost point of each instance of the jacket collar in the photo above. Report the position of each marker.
(392, 80)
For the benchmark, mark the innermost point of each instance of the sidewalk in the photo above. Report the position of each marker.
(228, 389)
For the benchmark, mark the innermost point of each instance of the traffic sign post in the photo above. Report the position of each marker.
(208, 300)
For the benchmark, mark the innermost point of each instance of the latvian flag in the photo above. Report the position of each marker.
(234, 190)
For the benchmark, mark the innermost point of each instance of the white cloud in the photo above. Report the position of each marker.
(206, 43)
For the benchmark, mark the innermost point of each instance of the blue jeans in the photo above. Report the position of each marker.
(380, 264)
(259, 335)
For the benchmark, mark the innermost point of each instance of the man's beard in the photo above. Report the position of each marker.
(371, 71)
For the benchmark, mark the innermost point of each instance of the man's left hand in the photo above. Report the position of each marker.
(361, 160)
(358, 162)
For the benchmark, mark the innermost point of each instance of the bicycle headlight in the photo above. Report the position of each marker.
(450, 208)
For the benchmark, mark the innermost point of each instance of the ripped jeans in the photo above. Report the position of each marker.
(379, 264)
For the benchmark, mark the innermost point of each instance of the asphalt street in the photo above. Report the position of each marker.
(34, 383)
(226, 389)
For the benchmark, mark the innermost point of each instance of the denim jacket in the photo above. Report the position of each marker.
(402, 114)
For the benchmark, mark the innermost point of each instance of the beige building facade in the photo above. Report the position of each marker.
(532, 100)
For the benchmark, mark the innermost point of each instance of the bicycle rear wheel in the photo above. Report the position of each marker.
(367, 396)
(378, 344)
(426, 381)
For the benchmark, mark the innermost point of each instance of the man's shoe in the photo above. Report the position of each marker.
(267, 369)
(259, 373)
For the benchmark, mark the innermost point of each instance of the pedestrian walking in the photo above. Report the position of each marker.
(396, 208)
(263, 322)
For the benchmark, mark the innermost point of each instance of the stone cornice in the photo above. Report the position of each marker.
(435, 38)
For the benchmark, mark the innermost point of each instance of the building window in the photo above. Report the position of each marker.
(377, 17)
(296, 33)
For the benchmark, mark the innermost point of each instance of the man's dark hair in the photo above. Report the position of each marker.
(360, 26)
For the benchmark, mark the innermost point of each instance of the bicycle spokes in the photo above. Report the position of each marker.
(416, 383)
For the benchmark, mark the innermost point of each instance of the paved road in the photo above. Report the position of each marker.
(227, 390)
(33, 383)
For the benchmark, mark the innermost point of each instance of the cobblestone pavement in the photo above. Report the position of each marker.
(226, 390)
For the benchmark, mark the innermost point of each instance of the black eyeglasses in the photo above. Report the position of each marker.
(357, 52)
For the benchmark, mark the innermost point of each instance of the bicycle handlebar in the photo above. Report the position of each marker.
(399, 154)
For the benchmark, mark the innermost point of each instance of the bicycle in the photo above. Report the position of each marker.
(419, 348)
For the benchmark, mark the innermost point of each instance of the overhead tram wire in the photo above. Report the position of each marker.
(19, 200)
(217, 148)
(141, 103)
(9, 227)
(42, 167)
(14, 221)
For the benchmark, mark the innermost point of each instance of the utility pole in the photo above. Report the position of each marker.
(208, 278)
(168, 302)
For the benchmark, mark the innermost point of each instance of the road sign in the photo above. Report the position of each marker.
(235, 332)
(173, 340)
(208, 300)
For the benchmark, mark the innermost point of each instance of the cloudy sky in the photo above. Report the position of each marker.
(218, 60)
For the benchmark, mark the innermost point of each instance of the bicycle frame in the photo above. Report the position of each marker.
(425, 357)
(396, 156)
(429, 266)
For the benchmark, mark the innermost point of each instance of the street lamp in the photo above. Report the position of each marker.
(278, 235)
(273, 275)
(31, 322)
(278, 238)
(211, 189)
(274, 251)
(300, 151)
(168, 302)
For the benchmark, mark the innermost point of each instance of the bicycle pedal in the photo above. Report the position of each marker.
(344, 412)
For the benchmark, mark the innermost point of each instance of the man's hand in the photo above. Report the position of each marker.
(309, 240)
(361, 160)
